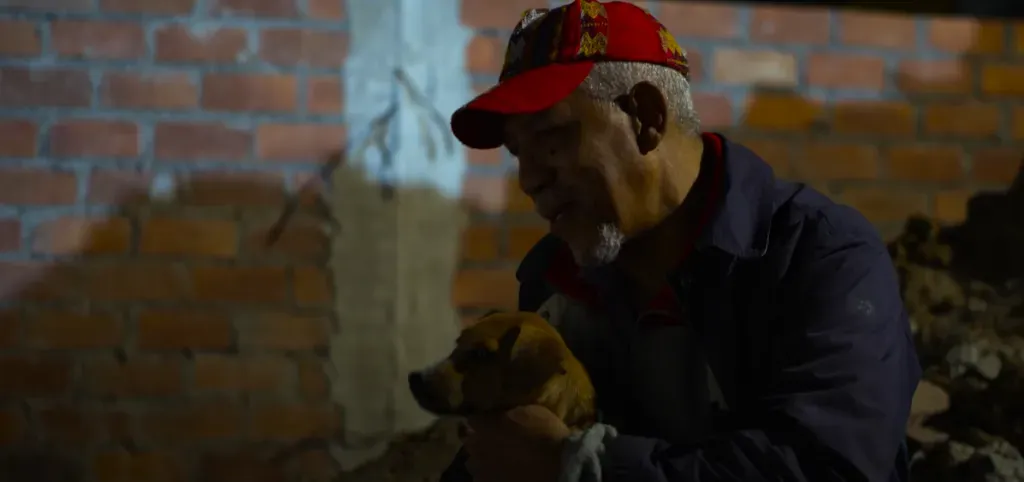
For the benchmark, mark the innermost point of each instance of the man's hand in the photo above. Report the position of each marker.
(523, 444)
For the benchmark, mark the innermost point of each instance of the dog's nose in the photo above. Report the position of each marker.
(417, 383)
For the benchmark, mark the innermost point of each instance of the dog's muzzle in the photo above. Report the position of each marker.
(424, 395)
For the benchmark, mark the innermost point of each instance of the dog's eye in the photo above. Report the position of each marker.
(479, 354)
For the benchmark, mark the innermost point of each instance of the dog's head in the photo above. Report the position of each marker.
(503, 361)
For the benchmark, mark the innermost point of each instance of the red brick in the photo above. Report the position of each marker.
(118, 187)
(12, 425)
(935, 77)
(171, 91)
(254, 8)
(293, 422)
(50, 5)
(94, 138)
(715, 110)
(38, 281)
(192, 423)
(486, 194)
(241, 466)
(485, 14)
(151, 7)
(312, 286)
(34, 376)
(1018, 37)
(313, 383)
(881, 30)
(1003, 80)
(995, 165)
(485, 55)
(176, 329)
(782, 24)
(233, 189)
(235, 373)
(10, 240)
(951, 206)
(135, 281)
(284, 331)
(181, 43)
(312, 48)
(135, 377)
(962, 120)
(98, 40)
(480, 243)
(828, 161)
(59, 330)
(83, 235)
(326, 9)
(485, 288)
(1017, 123)
(299, 142)
(693, 19)
(966, 35)
(755, 67)
(846, 71)
(782, 112)
(189, 237)
(925, 163)
(37, 186)
(21, 87)
(880, 204)
(192, 141)
(240, 284)
(18, 138)
(123, 466)
(19, 38)
(880, 118)
(254, 92)
(325, 95)
(521, 240)
(300, 240)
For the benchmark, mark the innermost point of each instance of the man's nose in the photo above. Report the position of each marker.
(534, 178)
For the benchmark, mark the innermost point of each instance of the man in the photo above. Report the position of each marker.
(736, 326)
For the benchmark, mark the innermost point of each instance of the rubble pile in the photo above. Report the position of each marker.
(964, 290)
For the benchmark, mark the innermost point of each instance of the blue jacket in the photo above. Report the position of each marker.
(792, 304)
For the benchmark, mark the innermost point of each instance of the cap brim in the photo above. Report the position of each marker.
(479, 123)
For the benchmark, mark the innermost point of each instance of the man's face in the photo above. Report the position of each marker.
(580, 163)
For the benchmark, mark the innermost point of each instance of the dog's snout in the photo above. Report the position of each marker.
(417, 383)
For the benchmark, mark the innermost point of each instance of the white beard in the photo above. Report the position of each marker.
(609, 244)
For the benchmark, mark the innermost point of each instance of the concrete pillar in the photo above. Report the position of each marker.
(396, 250)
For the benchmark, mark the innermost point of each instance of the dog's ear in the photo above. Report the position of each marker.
(533, 366)
(508, 341)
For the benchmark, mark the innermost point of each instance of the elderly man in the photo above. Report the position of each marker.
(736, 326)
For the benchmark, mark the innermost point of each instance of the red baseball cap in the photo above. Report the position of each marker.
(552, 51)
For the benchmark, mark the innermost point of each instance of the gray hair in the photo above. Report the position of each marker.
(610, 80)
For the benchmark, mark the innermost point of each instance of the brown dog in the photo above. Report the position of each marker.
(503, 361)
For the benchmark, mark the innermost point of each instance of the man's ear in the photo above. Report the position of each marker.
(648, 111)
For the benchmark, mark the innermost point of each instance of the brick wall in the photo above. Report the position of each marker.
(146, 145)
(892, 114)
(146, 334)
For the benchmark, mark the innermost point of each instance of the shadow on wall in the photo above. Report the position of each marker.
(168, 342)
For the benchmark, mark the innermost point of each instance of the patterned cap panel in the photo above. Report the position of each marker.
(582, 31)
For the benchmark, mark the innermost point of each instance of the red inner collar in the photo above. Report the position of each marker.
(563, 273)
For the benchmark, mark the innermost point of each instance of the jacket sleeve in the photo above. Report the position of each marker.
(842, 370)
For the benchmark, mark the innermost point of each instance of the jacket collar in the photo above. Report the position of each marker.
(743, 221)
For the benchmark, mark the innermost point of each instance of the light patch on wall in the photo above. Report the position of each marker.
(404, 76)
